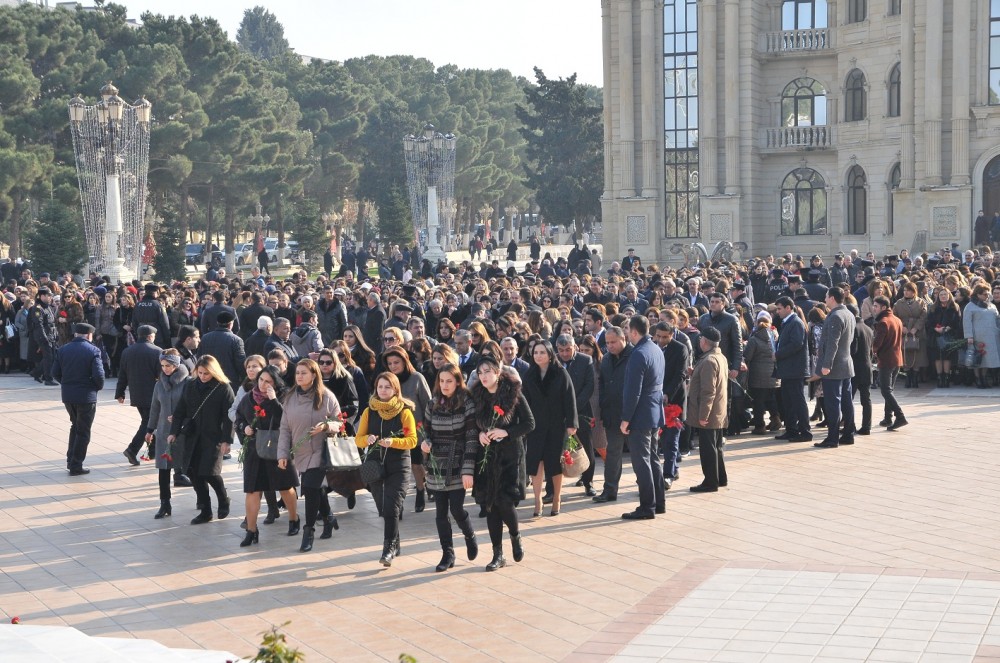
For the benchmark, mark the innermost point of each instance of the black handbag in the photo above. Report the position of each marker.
(267, 444)
(373, 468)
(189, 427)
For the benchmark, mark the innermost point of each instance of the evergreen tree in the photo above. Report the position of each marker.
(55, 242)
(261, 34)
(306, 225)
(169, 263)
(394, 221)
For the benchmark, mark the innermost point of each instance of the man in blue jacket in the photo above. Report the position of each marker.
(642, 414)
(791, 365)
(79, 369)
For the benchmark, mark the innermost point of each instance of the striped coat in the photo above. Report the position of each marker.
(454, 438)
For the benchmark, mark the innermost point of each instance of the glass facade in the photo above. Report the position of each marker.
(994, 52)
(803, 14)
(680, 91)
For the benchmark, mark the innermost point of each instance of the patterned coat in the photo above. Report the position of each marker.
(454, 439)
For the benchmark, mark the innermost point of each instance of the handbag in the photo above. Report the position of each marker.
(10, 330)
(189, 427)
(911, 342)
(943, 341)
(267, 444)
(971, 357)
(577, 464)
(373, 469)
(342, 453)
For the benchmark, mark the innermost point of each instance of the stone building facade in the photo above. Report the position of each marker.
(802, 126)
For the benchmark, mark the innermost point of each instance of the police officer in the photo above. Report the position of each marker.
(149, 311)
(79, 368)
(42, 332)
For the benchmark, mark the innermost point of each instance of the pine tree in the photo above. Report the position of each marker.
(169, 262)
(394, 221)
(55, 242)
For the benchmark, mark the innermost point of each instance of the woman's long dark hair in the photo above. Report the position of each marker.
(456, 400)
(280, 387)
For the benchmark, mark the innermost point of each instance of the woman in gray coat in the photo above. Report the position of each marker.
(310, 414)
(763, 386)
(979, 321)
(166, 395)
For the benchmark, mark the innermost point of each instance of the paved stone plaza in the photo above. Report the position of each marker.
(885, 551)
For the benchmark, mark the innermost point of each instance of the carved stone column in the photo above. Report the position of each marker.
(907, 97)
(933, 73)
(626, 101)
(732, 85)
(609, 162)
(707, 99)
(961, 55)
(648, 69)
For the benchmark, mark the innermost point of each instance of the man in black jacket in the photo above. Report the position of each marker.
(140, 369)
(861, 355)
(226, 347)
(149, 311)
(374, 323)
(612, 387)
(279, 341)
(251, 314)
(581, 370)
(210, 316)
(80, 370)
(791, 366)
(255, 343)
(676, 362)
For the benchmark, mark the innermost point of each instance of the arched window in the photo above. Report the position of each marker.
(857, 201)
(856, 97)
(894, 90)
(895, 177)
(803, 14)
(803, 104)
(895, 7)
(803, 203)
(857, 10)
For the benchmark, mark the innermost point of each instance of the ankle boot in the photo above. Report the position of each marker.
(164, 510)
(250, 538)
(498, 561)
(398, 548)
(329, 524)
(515, 543)
(471, 545)
(272, 515)
(947, 380)
(203, 517)
(447, 560)
(388, 553)
(307, 539)
(419, 508)
(293, 526)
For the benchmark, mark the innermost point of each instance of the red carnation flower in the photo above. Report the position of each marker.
(498, 410)
(15, 620)
(63, 314)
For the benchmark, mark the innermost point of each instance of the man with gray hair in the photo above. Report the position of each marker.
(139, 371)
(255, 343)
(611, 381)
(581, 370)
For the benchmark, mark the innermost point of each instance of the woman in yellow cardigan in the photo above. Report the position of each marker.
(388, 423)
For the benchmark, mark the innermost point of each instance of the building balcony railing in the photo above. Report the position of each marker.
(797, 41)
(819, 137)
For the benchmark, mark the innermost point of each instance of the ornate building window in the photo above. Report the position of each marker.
(680, 91)
(895, 7)
(803, 104)
(803, 14)
(855, 97)
(857, 201)
(857, 10)
(994, 53)
(895, 82)
(895, 177)
(803, 203)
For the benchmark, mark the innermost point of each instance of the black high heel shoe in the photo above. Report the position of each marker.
(250, 538)
(293, 526)
(329, 525)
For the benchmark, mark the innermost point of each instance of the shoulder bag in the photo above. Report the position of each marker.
(911, 342)
(189, 428)
(267, 442)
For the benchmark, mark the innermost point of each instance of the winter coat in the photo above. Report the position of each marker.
(227, 348)
(553, 399)
(80, 371)
(416, 390)
(759, 357)
(913, 313)
(888, 343)
(499, 474)
(306, 339)
(707, 394)
(834, 350)
(980, 324)
(861, 355)
(139, 372)
(454, 439)
(210, 401)
(332, 320)
(166, 395)
(299, 418)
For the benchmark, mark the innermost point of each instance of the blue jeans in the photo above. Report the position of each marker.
(838, 403)
(648, 472)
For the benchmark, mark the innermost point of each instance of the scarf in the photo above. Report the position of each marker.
(387, 409)
(258, 395)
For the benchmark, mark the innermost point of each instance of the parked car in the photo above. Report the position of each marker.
(193, 255)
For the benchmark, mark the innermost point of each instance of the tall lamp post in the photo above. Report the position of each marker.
(430, 181)
(111, 145)
(259, 223)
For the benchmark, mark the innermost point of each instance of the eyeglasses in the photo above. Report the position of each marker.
(340, 357)
(325, 362)
(389, 339)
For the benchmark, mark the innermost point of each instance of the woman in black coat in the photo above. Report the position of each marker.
(497, 474)
(205, 404)
(549, 390)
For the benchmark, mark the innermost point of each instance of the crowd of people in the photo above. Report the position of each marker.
(483, 379)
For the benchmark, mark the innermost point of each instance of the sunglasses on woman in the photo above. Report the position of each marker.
(325, 362)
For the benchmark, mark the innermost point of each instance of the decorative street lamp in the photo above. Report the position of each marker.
(510, 211)
(259, 223)
(430, 180)
(111, 145)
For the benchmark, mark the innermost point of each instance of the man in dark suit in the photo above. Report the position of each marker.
(210, 316)
(612, 388)
(279, 340)
(693, 297)
(581, 370)
(468, 359)
(226, 347)
(509, 348)
(374, 323)
(593, 324)
(676, 361)
(255, 343)
(79, 369)
(642, 414)
(149, 311)
(791, 365)
(861, 355)
(251, 314)
(139, 371)
(836, 368)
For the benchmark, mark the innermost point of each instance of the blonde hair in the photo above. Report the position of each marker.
(211, 364)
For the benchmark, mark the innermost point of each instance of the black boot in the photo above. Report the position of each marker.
(164, 510)
(447, 559)
(947, 380)
(518, 550)
(293, 526)
(471, 545)
(329, 524)
(224, 505)
(272, 515)
(419, 508)
(250, 539)
(307, 539)
(203, 517)
(388, 553)
(498, 561)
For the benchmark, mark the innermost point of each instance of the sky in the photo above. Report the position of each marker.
(561, 37)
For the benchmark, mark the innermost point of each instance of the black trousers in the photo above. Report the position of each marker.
(497, 517)
(713, 464)
(81, 419)
(453, 502)
(201, 484)
(389, 494)
(886, 384)
(317, 499)
(164, 482)
(793, 403)
(866, 403)
(44, 369)
(140, 435)
(588, 446)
